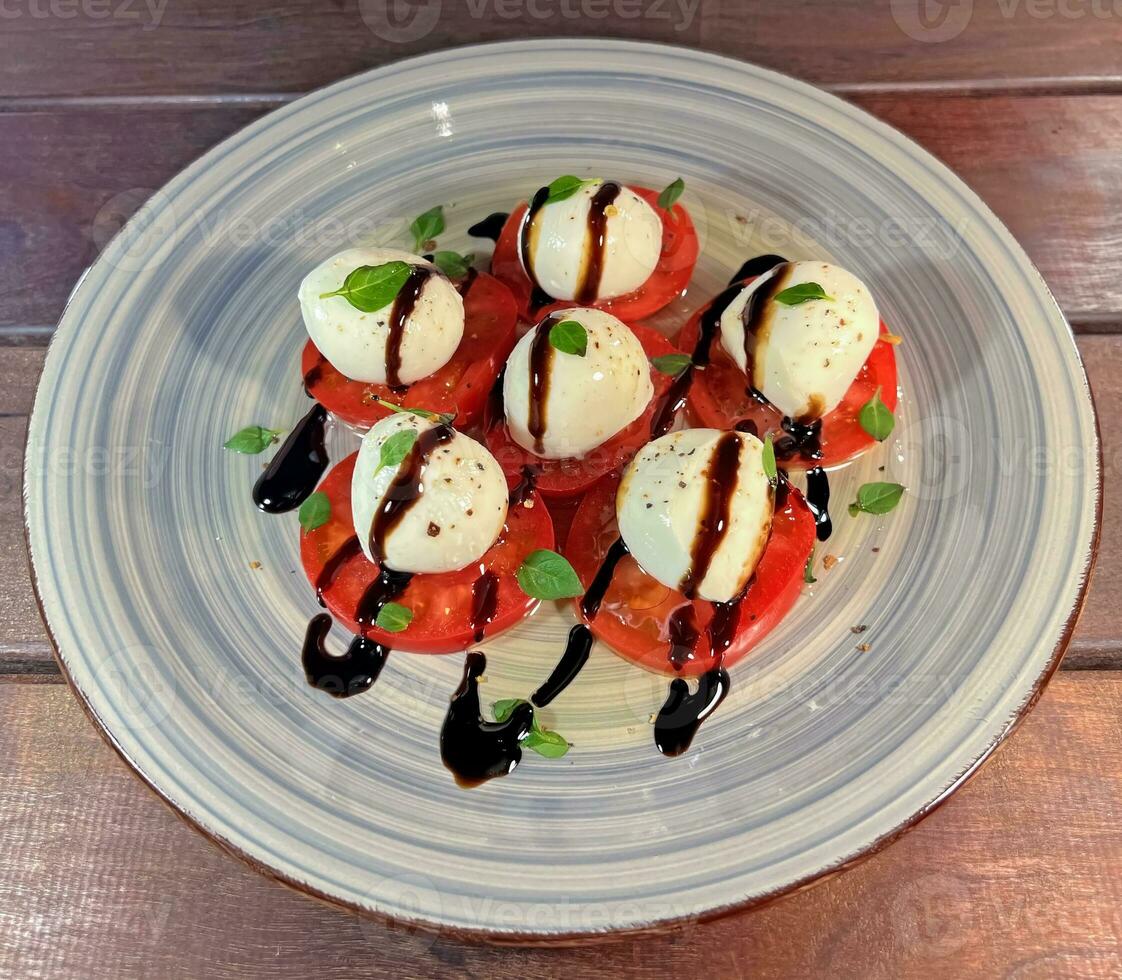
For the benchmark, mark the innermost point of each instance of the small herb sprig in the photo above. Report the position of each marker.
(426, 227)
(453, 264)
(802, 292)
(541, 740)
(315, 511)
(771, 471)
(393, 617)
(370, 287)
(671, 364)
(445, 418)
(396, 448)
(670, 194)
(876, 498)
(569, 337)
(544, 574)
(251, 440)
(565, 187)
(876, 418)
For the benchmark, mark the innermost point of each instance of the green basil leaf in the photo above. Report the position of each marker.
(393, 617)
(545, 574)
(504, 708)
(315, 511)
(396, 448)
(876, 418)
(671, 364)
(251, 440)
(546, 743)
(771, 471)
(877, 498)
(569, 337)
(453, 264)
(423, 413)
(564, 187)
(670, 194)
(371, 287)
(808, 571)
(803, 292)
(427, 226)
(854, 510)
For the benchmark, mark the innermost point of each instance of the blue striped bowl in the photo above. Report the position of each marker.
(142, 531)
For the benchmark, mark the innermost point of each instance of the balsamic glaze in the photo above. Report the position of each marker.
(484, 602)
(755, 314)
(818, 500)
(577, 649)
(589, 288)
(405, 489)
(385, 588)
(538, 296)
(315, 372)
(594, 595)
(716, 510)
(476, 750)
(756, 267)
(541, 359)
(345, 552)
(295, 470)
(682, 713)
(799, 439)
(490, 227)
(463, 287)
(524, 487)
(403, 305)
(684, 634)
(341, 677)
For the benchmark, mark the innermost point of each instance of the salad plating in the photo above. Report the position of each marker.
(687, 545)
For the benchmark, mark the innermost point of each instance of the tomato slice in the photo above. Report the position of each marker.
(719, 398)
(669, 279)
(461, 386)
(568, 477)
(441, 604)
(634, 616)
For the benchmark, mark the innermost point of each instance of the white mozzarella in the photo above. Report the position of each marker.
(805, 357)
(458, 514)
(355, 342)
(663, 496)
(560, 244)
(588, 399)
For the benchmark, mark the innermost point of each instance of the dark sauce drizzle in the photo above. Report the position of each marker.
(476, 750)
(294, 472)
(344, 676)
(490, 227)
(541, 359)
(594, 595)
(577, 649)
(818, 500)
(589, 288)
(755, 313)
(385, 588)
(403, 305)
(713, 524)
(538, 296)
(756, 267)
(682, 713)
(331, 568)
(484, 602)
(315, 372)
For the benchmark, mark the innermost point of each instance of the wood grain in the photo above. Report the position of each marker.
(139, 47)
(24, 649)
(1051, 167)
(1019, 874)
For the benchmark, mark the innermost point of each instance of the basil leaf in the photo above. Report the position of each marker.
(564, 187)
(396, 448)
(546, 743)
(251, 440)
(370, 287)
(876, 498)
(876, 418)
(670, 194)
(808, 571)
(545, 574)
(671, 364)
(569, 337)
(771, 471)
(315, 511)
(453, 264)
(424, 413)
(803, 292)
(504, 708)
(427, 226)
(393, 617)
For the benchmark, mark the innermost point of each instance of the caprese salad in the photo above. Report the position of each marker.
(688, 541)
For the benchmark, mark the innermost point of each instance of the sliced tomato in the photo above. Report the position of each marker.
(441, 604)
(569, 477)
(669, 279)
(634, 617)
(461, 386)
(719, 398)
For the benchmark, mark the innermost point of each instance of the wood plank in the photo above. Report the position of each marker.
(138, 47)
(1020, 874)
(24, 648)
(1051, 167)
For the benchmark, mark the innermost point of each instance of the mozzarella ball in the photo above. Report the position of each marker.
(587, 399)
(458, 513)
(804, 357)
(561, 247)
(356, 342)
(666, 493)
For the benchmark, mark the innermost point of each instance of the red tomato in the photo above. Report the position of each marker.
(670, 277)
(568, 477)
(441, 604)
(634, 616)
(461, 386)
(719, 398)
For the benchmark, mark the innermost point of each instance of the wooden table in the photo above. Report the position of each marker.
(101, 101)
